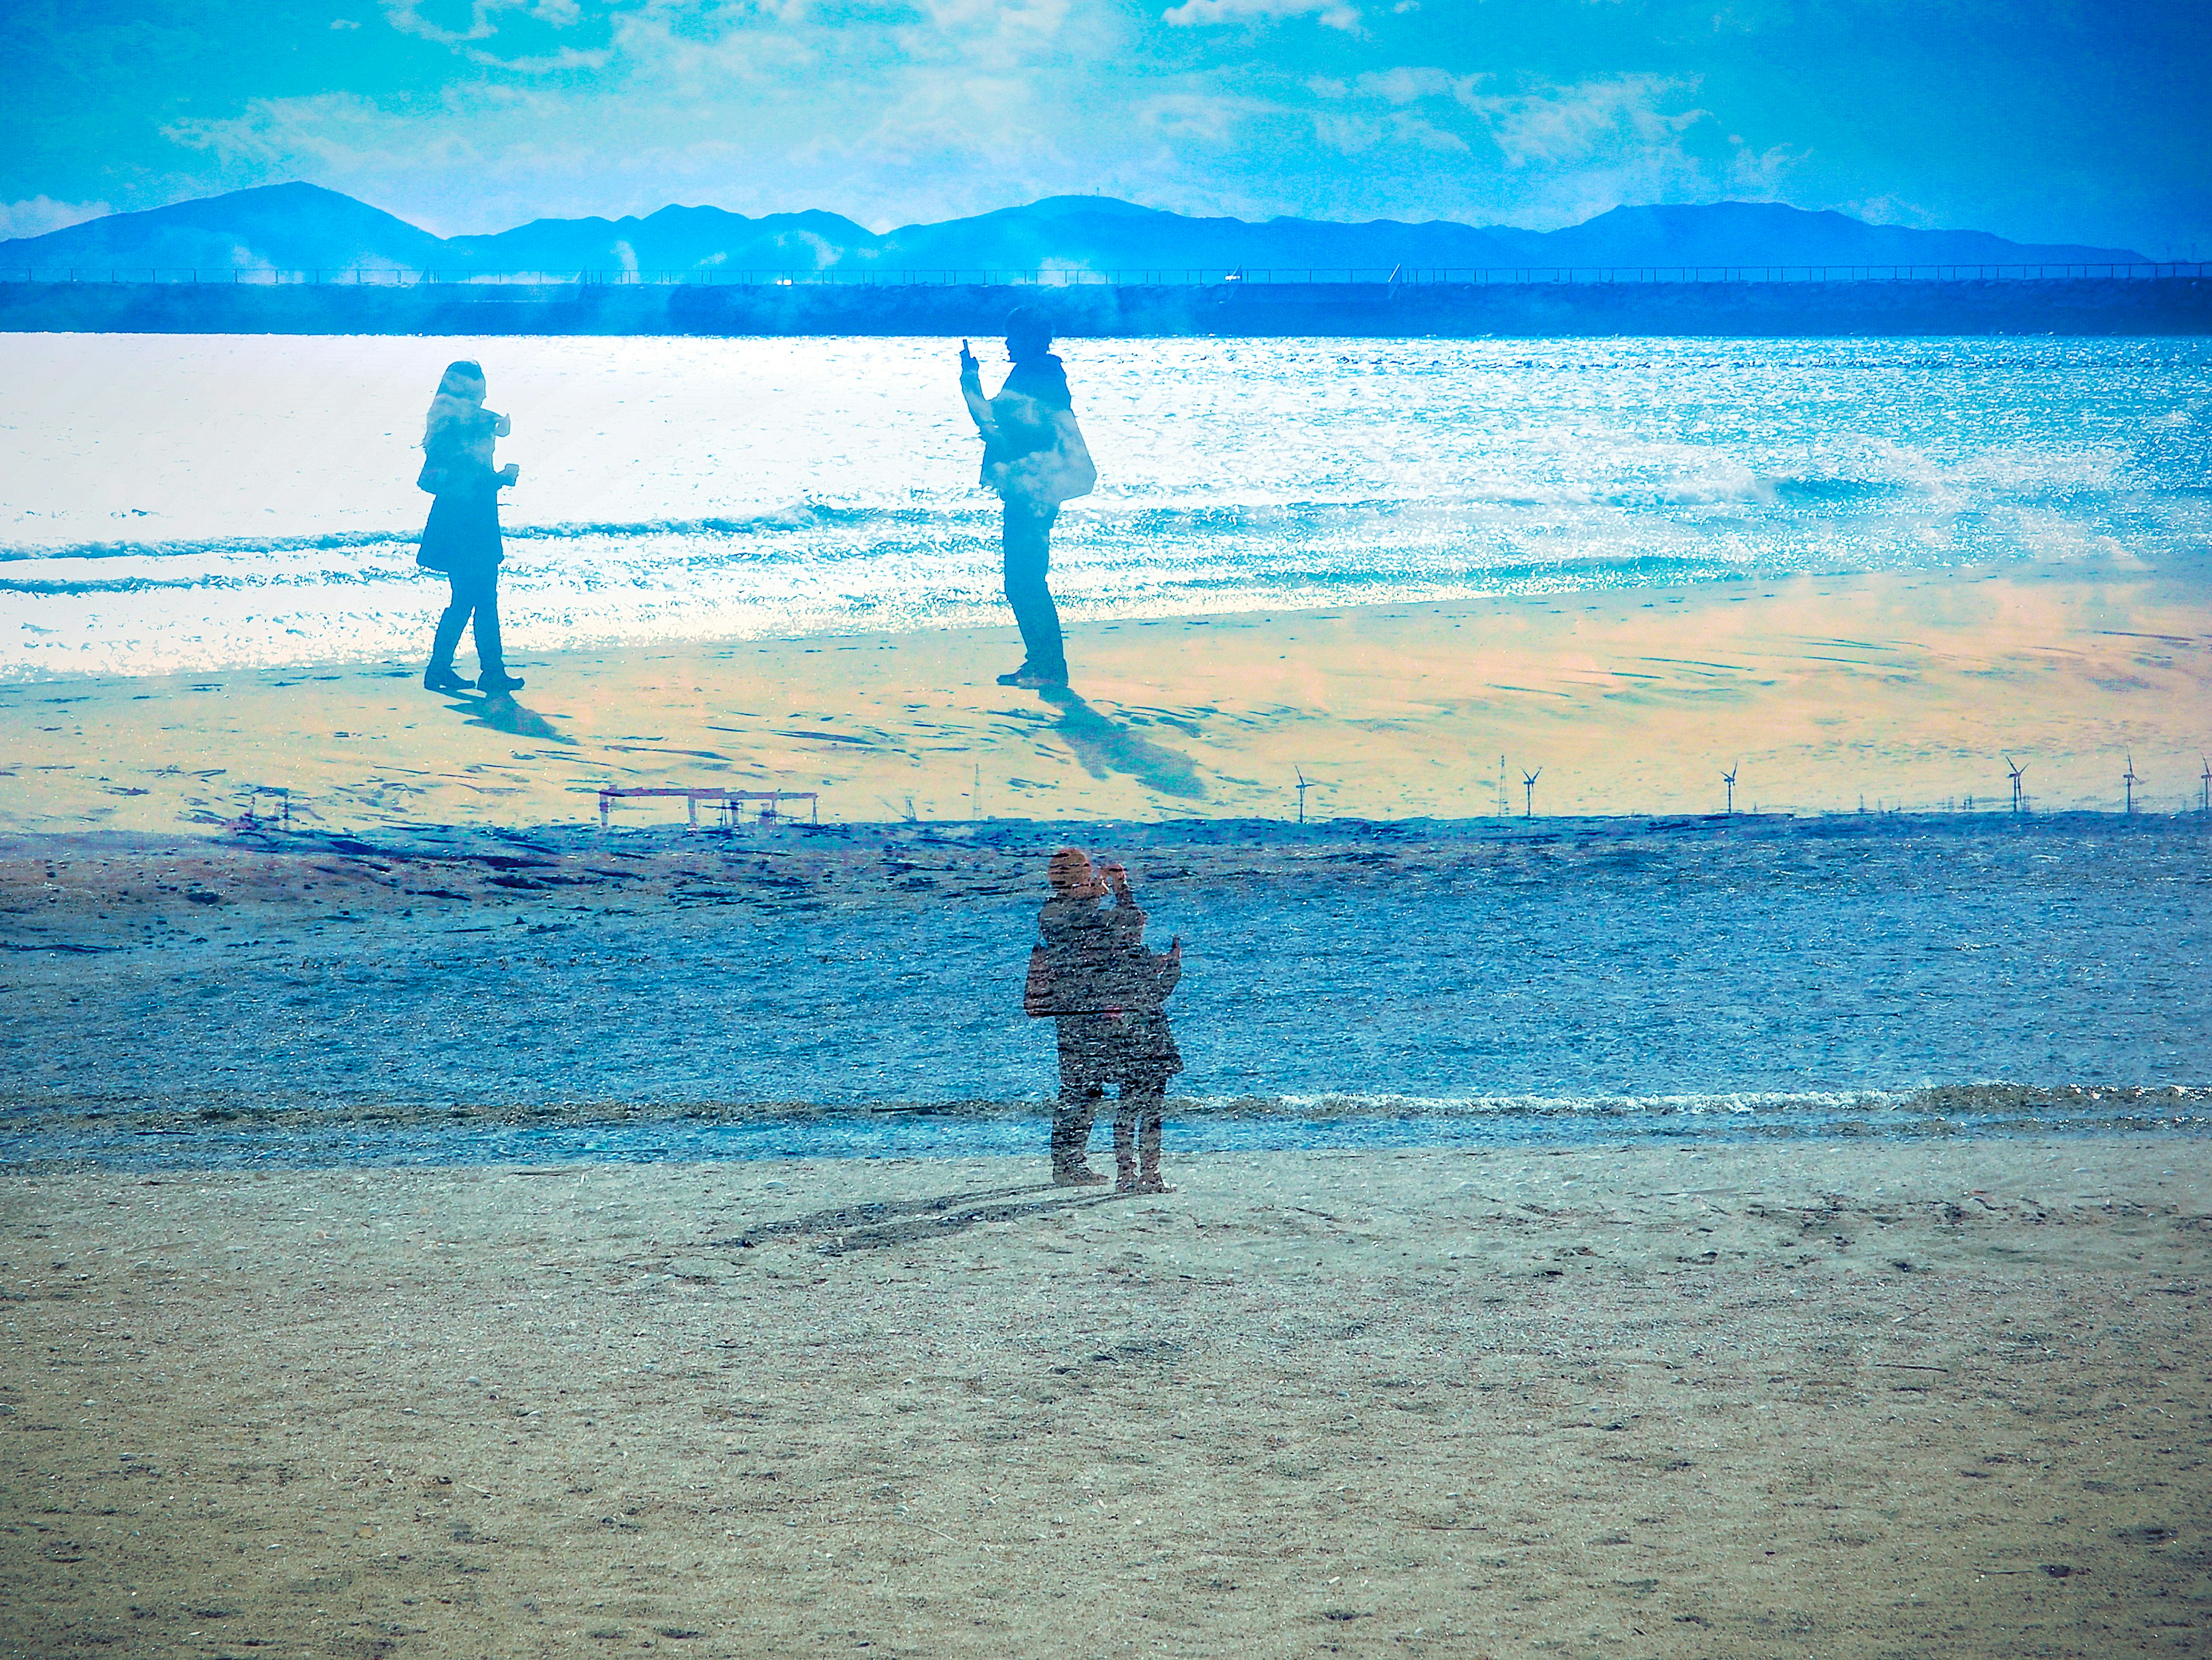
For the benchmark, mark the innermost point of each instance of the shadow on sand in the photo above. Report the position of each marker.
(874, 1226)
(500, 713)
(1104, 746)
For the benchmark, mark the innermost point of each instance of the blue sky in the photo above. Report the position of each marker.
(2045, 120)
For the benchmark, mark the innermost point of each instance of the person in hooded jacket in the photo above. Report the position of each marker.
(1034, 457)
(1107, 991)
(462, 537)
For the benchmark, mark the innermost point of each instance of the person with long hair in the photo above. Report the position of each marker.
(1035, 458)
(462, 537)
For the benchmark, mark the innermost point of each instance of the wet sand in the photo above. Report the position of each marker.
(1818, 692)
(1849, 1400)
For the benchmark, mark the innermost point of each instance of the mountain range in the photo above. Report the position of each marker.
(300, 227)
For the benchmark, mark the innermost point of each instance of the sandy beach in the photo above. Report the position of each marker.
(1857, 1396)
(1820, 692)
(1847, 1400)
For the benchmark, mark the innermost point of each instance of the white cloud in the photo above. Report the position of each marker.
(1197, 14)
(486, 18)
(328, 133)
(1183, 118)
(1545, 155)
(931, 108)
(949, 105)
(1892, 210)
(1626, 115)
(1408, 85)
(1355, 135)
(41, 213)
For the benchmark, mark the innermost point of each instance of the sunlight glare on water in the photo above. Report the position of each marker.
(173, 503)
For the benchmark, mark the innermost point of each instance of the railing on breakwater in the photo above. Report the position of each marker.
(1377, 277)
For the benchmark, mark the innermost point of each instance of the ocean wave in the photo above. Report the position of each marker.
(1834, 489)
(1964, 1101)
(804, 516)
(114, 585)
(334, 541)
(1438, 509)
(1195, 520)
(218, 1130)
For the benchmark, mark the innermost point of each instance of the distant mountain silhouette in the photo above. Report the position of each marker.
(1770, 232)
(702, 240)
(284, 227)
(303, 227)
(1091, 233)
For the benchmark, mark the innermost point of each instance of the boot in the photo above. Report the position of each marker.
(1071, 1138)
(1070, 1168)
(439, 675)
(1149, 1179)
(1125, 1156)
(496, 681)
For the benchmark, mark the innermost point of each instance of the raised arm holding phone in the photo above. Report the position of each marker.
(1107, 989)
(1035, 458)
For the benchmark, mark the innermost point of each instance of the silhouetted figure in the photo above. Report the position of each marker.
(1034, 458)
(1107, 990)
(462, 537)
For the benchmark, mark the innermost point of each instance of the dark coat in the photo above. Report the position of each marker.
(463, 532)
(1102, 969)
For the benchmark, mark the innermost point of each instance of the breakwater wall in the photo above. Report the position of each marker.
(2158, 305)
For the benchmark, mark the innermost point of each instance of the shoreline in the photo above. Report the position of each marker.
(62, 1134)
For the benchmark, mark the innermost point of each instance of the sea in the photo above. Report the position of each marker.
(174, 503)
(1416, 983)
(179, 503)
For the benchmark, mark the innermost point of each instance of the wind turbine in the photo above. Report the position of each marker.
(2018, 797)
(1528, 785)
(1303, 788)
(2207, 778)
(2130, 779)
(1728, 778)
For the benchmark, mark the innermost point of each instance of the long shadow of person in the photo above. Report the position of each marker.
(880, 1224)
(503, 714)
(1104, 745)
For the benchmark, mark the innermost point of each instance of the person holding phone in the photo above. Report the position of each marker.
(462, 537)
(1035, 458)
(1108, 991)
